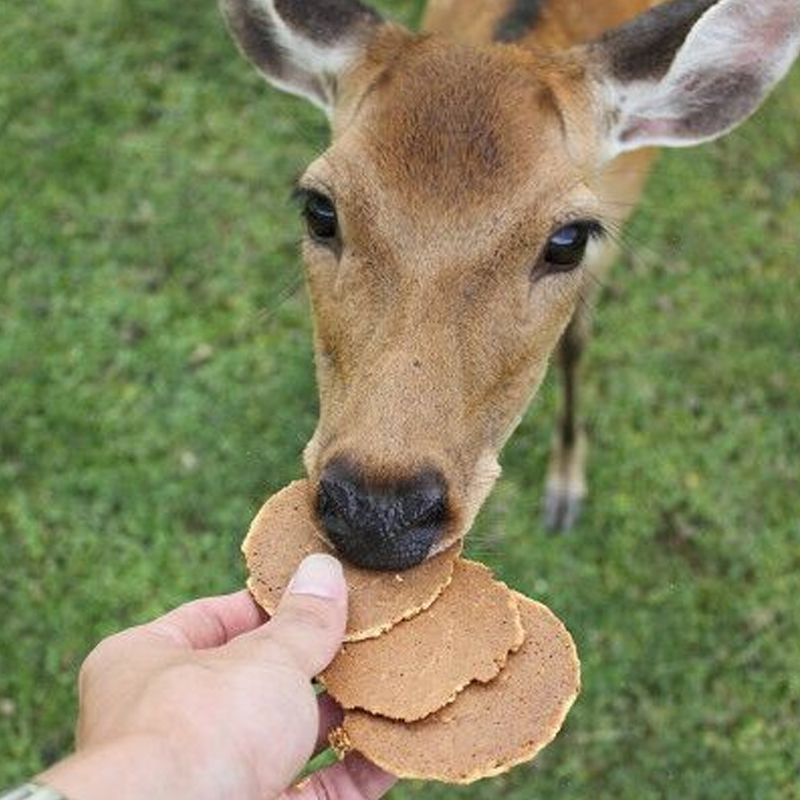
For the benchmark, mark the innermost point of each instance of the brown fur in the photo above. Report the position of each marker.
(451, 164)
(456, 155)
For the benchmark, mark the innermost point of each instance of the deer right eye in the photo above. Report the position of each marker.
(567, 246)
(320, 216)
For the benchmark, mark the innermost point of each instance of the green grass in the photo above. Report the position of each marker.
(156, 383)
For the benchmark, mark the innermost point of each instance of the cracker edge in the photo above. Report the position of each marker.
(499, 663)
(494, 770)
(340, 742)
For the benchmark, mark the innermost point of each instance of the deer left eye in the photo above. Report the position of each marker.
(320, 216)
(567, 246)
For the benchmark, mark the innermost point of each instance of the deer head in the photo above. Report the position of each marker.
(450, 221)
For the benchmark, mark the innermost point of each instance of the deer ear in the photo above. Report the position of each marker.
(301, 46)
(688, 71)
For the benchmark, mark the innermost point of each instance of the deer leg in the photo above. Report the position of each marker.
(565, 490)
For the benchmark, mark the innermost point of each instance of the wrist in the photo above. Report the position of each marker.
(129, 769)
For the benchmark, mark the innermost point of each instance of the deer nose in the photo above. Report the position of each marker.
(386, 527)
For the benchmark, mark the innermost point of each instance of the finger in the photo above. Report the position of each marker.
(307, 629)
(210, 622)
(355, 778)
(330, 717)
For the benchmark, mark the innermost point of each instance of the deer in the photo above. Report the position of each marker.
(477, 173)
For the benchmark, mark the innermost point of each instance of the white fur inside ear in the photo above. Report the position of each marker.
(730, 61)
(324, 61)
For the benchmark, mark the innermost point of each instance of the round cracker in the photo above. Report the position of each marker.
(489, 728)
(284, 532)
(421, 665)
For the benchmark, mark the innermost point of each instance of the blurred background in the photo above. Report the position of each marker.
(156, 384)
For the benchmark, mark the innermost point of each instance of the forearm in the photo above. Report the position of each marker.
(131, 769)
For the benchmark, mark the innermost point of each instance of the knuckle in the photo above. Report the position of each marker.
(85, 672)
(99, 654)
(324, 787)
(310, 613)
(188, 675)
(285, 652)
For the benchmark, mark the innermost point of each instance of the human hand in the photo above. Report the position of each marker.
(209, 703)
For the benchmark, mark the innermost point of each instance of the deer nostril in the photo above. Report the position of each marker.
(429, 508)
(389, 526)
(336, 497)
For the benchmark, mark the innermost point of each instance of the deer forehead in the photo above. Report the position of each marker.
(458, 147)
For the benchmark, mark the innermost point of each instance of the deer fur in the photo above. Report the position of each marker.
(455, 154)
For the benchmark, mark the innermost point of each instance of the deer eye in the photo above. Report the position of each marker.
(320, 217)
(567, 246)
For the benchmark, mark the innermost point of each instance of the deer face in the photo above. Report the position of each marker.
(448, 226)
(436, 306)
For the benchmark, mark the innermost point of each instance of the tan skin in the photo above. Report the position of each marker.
(210, 702)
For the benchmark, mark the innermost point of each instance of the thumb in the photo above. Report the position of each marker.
(308, 627)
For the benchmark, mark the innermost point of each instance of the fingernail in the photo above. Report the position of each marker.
(319, 575)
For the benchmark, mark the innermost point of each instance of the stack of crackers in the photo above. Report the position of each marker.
(446, 674)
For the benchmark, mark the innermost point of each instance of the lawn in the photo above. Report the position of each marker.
(156, 383)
